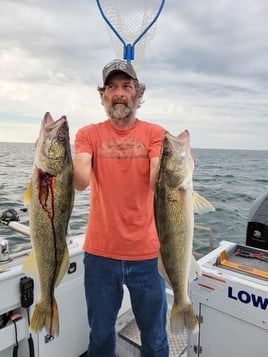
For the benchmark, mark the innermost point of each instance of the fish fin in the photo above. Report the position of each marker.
(28, 194)
(45, 317)
(201, 204)
(182, 318)
(195, 269)
(29, 265)
(63, 267)
(162, 270)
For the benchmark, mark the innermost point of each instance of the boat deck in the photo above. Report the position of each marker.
(128, 339)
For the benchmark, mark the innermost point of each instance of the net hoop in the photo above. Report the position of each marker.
(131, 24)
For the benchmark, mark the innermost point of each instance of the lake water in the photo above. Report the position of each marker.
(230, 179)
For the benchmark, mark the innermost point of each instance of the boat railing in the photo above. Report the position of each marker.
(210, 239)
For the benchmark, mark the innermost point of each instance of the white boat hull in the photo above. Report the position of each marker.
(229, 326)
(73, 337)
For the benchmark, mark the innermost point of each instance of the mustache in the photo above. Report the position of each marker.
(119, 101)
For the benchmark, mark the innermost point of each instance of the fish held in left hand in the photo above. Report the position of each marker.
(50, 196)
(174, 205)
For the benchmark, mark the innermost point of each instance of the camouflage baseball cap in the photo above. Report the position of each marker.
(118, 65)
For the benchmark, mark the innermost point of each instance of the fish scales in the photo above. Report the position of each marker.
(50, 195)
(174, 203)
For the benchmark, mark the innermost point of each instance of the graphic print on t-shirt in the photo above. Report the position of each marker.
(122, 148)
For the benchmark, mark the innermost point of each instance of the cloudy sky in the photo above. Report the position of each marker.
(205, 70)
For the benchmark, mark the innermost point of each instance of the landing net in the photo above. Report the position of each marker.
(131, 24)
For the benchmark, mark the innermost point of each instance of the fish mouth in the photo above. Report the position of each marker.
(55, 136)
(185, 135)
(51, 126)
(55, 128)
(179, 141)
(179, 165)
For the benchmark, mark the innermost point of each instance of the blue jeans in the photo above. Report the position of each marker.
(104, 279)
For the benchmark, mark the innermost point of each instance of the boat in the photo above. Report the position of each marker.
(230, 299)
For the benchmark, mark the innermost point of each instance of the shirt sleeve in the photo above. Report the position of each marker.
(156, 141)
(83, 142)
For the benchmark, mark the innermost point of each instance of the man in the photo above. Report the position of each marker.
(118, 158)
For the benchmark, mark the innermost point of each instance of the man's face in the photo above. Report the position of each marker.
(120, 97)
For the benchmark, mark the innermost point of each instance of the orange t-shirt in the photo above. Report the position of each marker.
(121, 218)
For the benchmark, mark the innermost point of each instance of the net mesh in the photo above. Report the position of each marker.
(130, 18)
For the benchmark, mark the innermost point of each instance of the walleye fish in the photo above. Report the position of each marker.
(50, 196)
(174, 206)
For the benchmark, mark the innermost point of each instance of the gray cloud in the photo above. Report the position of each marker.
(205, 68)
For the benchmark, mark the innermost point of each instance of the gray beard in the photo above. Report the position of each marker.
(119, 113)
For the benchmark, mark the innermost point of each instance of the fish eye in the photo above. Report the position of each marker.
(62, 138)
(167, 152)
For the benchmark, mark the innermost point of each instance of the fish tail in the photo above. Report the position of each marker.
(45, 317)
(181, 318)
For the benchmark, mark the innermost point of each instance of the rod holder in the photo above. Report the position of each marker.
(4, 250)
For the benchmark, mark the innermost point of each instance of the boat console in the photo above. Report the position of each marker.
(231, 295)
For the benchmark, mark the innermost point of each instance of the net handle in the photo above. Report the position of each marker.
(128, 48)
